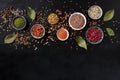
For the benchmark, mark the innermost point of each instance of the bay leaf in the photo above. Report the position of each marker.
(109, 15)
(10, 38)
(110, 32)
(31, 13)
(81, 42)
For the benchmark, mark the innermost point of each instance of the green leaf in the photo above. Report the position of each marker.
(31, 13)
(110, 32)
(10, 38)
(81, 42)
(109, 15)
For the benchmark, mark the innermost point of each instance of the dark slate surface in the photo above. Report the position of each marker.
(100, 62)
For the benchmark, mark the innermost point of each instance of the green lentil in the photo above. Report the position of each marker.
(19, 22)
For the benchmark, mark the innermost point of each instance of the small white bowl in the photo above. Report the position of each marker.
(66, 37)
(35, 36)
(100, 11)
(80, 15)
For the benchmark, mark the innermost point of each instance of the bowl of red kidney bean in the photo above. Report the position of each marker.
(94, 35)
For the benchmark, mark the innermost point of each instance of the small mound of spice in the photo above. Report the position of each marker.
(77, 21)
(37, 31)
(95, 12)
(19, 22)
(94, 35)
(53, 18)
(62, 34)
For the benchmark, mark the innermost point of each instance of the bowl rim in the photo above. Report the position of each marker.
(82, 16)
(21, 27)
(100, 10)
(67, 34)
(35, 36)
(97, 41)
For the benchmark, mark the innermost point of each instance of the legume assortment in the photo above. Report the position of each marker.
(54, 25)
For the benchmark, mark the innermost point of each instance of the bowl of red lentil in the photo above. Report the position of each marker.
(37, 31)
(94, 35)
(62, 34)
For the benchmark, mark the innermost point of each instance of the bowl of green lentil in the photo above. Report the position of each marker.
(19, 22)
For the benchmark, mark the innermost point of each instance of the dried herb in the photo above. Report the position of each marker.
(109, 15)
(110, 32)
(19, 22)
(31, 13)
(10, 38)
(81, 42)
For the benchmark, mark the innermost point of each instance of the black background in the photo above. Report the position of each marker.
(99, 62)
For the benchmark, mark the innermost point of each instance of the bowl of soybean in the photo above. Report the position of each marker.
(19, 22)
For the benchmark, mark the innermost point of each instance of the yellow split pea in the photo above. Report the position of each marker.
(53, 18)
